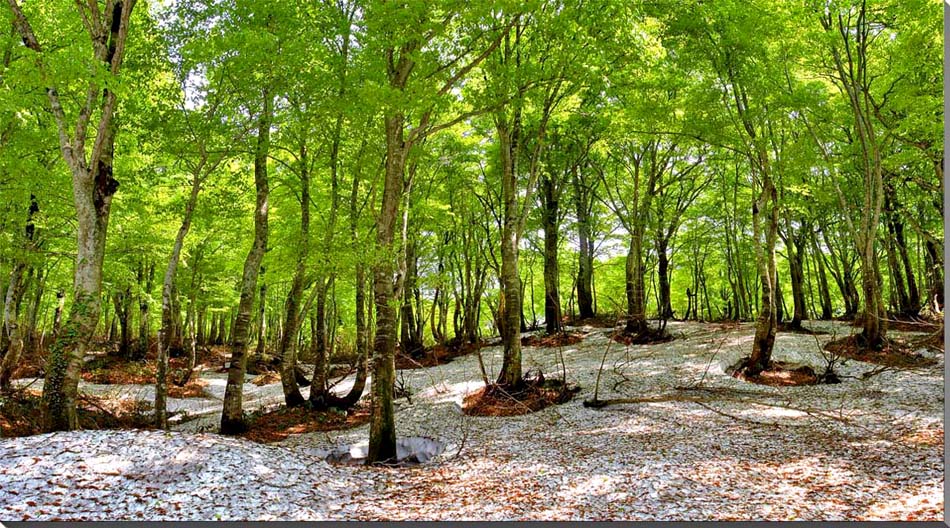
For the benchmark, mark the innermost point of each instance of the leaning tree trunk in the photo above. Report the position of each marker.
(261, 320)
(232, 417)
(168, 283)
(287, 348)
(93, 187)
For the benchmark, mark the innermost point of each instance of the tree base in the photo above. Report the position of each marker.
(647, 336)
(233, 426)
(779, 374)
(894, 352)
(531, 395)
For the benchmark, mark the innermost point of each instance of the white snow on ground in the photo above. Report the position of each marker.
(863, 449)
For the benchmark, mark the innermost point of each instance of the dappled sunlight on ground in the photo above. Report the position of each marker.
(701, 445)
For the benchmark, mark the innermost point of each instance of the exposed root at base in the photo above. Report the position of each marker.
(532, 396)
(895, 353)
(646, 337)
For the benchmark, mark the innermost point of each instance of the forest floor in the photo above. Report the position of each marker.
(697, 444)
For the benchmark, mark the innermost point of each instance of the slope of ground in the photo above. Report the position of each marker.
(699, 445)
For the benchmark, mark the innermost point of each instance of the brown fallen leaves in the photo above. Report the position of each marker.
(558, 339)
(434, 355)
(781, 374)
(20, 413)
(110, 370)
(896, 353)
(277, 425)
(535, 395)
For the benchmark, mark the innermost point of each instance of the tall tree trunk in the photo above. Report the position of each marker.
(585, 255)
(11, 333)
(510, 312)
(288, 343)
(261, 318)
(232, 418)
(318, 345)
(663, 272)
(767, 321)
(382, 436)
(410, 341)
(93, 187)
(550, 216)
(934, 262)
(794, 246)
(168, 283)
(824, 292)
(147, 275)
(635, 290)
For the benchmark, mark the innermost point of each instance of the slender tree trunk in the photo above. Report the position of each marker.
(411, 341)
(585, 265)
(824, 292)
(288, 343)
(550, 217)
(148, 275)
(168, 283)
(663, 272)
(261, 318)
(12, 339)
(232, 418)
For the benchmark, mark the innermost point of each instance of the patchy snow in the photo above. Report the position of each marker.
(724, 450)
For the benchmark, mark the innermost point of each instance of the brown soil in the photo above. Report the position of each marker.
(646, 338)
(434, 355)
(20, 414)
(497, 401)
(32, 364)
(277, 425)
(781, 374)
(896, 353)
(900, 323)
(266, 379)
(554, 340)
(925, 437)
(598, 321)
(933, 341)
(110, 370)
(787, 328)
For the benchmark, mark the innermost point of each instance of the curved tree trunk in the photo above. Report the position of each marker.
(287, 348)
(232, 417)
